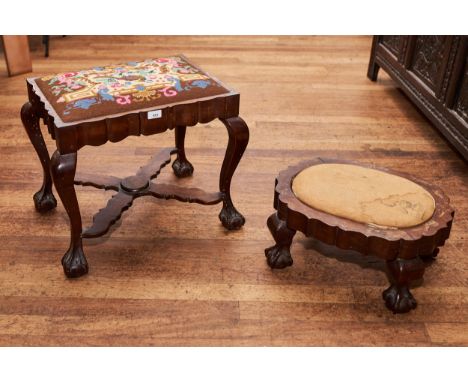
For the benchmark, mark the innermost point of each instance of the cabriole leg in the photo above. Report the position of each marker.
(181, 166)
(44, 199)
(63, 169)
(238, 139)
(402, 272)
(279, 256)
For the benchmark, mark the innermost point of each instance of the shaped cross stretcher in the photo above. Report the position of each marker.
(140, 184)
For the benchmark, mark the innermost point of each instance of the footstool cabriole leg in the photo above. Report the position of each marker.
(63, 169)
(402, 272)
(238, 139)
(279, 256)
(44, 199)
(181, 166)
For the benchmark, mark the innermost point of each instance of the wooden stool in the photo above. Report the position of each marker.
(91, 107)
(373, 211)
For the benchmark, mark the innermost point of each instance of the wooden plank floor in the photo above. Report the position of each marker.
(169, 274)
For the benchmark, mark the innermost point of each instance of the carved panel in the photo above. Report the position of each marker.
(392, 43)
(440, 64)
(455, 44)
(461, 103)
(428, 58)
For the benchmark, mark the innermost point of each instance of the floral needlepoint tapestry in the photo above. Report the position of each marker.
(107, 90)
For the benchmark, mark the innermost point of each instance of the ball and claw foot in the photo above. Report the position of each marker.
(399, 299)
(231, 218)
(278, 256)
(74, 263)
(44, 201)
(182, 169)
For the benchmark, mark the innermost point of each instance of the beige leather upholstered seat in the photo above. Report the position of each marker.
(364, 195)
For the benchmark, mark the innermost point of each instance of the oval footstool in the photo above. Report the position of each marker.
(371, 210)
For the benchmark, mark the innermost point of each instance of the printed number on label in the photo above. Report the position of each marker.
(154, 114)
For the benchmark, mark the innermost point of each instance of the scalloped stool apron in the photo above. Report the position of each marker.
(374, 211)
(110, 103)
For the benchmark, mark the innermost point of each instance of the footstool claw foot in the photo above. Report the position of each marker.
(402, 273)
(182, 169)
(278, 257)
(231, 218)
(399, 299)
(74, 263)
(44, 201)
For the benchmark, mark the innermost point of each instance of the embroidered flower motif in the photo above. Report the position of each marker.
(145, 95)
(65, 80)
(168, 92)
(123, 100)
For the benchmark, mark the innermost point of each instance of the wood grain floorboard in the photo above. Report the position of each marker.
(159, 278)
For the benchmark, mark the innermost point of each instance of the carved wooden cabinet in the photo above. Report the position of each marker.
(433, 73)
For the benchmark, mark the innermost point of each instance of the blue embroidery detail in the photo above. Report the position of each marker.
(200, 84)
(104, 93)
(177, 85)
(85, 103)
